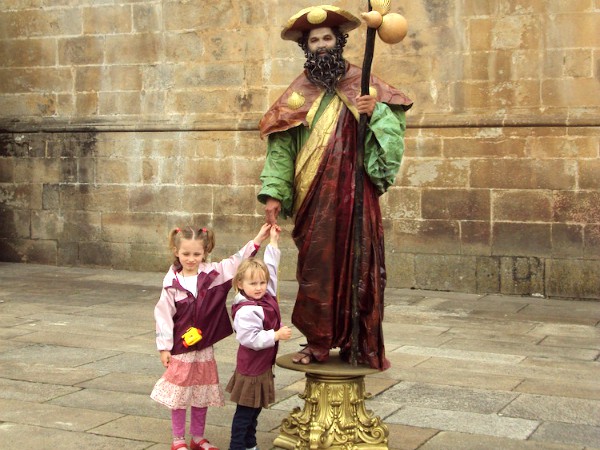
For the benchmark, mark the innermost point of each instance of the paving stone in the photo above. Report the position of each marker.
(567, 433)
(32, 392)
(512, 348)
(42, 373)
(112, 401)
(403, 437)
(450, 440)
(26, 436)
(561, 388)
(52, 416)
(465, 422)
(480, 356)
(55, 355)
(447, 397)
(555, 409)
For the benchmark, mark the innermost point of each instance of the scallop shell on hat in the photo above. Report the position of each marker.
(316, 15)
(295, 100)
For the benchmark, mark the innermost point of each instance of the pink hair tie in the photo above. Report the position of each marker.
(177, 230)
(204, 230)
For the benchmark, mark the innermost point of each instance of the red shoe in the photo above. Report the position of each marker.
(178, 446)
(199, 445)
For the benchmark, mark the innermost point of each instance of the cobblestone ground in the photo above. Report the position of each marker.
(78, 361)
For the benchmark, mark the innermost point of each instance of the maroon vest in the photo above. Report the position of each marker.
(206, 311)
(251, 362)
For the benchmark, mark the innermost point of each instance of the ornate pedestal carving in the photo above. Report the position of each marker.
(334, 414)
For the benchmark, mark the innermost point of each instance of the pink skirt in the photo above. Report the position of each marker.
(190, 380)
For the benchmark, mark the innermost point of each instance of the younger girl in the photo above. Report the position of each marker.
(194, 295)
(257, 323)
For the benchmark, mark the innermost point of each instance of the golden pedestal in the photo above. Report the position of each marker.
(334, 414)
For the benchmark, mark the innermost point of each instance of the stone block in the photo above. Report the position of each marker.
(487, 276)
(589, 173)
(247, 172)
(29, 251)
(15, 223)
(567, 92)
(522, 276)
(107, 19)
(567, 240)
(424, 236)
(445, 272)
(86, 104)
(132, 227)
(81, 50)
(133, 48)
(36, 80)
(480, 147)
(28, 52)
(521, 239)
(573, 278)
(155, 199)
(234, 200)
(422, 146)
(21, 196)
(121, 171)
(433, 173)
(40, 22)
(105, 254)
(126, 103)
(577, 206)
(475, 237)
(463, 204)
(146, 18)
(401, 203)
(574, 30)
(400, 268)
(7, 170)
(522, 174)
(188, 16)
(208, 172)
(591, 241)
(522, 205)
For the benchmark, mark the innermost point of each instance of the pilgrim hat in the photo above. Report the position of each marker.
(318, 17)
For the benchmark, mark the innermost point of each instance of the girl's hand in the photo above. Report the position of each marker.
(262, 234)
(275, 232)
(283, 334)
(165, 357)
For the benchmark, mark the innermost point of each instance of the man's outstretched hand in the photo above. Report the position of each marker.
(272, 210)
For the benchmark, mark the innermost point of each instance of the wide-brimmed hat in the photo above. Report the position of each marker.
(317, 17)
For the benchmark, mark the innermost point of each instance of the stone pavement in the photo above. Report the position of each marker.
(77, 363)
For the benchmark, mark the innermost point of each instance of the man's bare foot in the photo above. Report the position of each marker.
(302, 357)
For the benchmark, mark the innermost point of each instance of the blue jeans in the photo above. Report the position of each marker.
(243, 428)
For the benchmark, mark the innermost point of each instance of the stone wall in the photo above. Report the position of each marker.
(121, 119)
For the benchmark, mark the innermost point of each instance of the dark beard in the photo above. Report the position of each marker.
(325, 70)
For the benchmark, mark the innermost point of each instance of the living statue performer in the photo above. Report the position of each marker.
(309, 174)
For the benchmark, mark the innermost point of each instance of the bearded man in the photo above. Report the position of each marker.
(309, 174)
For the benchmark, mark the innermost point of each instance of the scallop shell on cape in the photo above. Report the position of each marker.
(295, 100)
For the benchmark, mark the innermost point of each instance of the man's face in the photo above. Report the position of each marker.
(321, 39)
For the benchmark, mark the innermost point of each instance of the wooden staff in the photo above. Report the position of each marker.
(358, 193)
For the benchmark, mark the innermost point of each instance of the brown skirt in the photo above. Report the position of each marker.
(254, 392)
